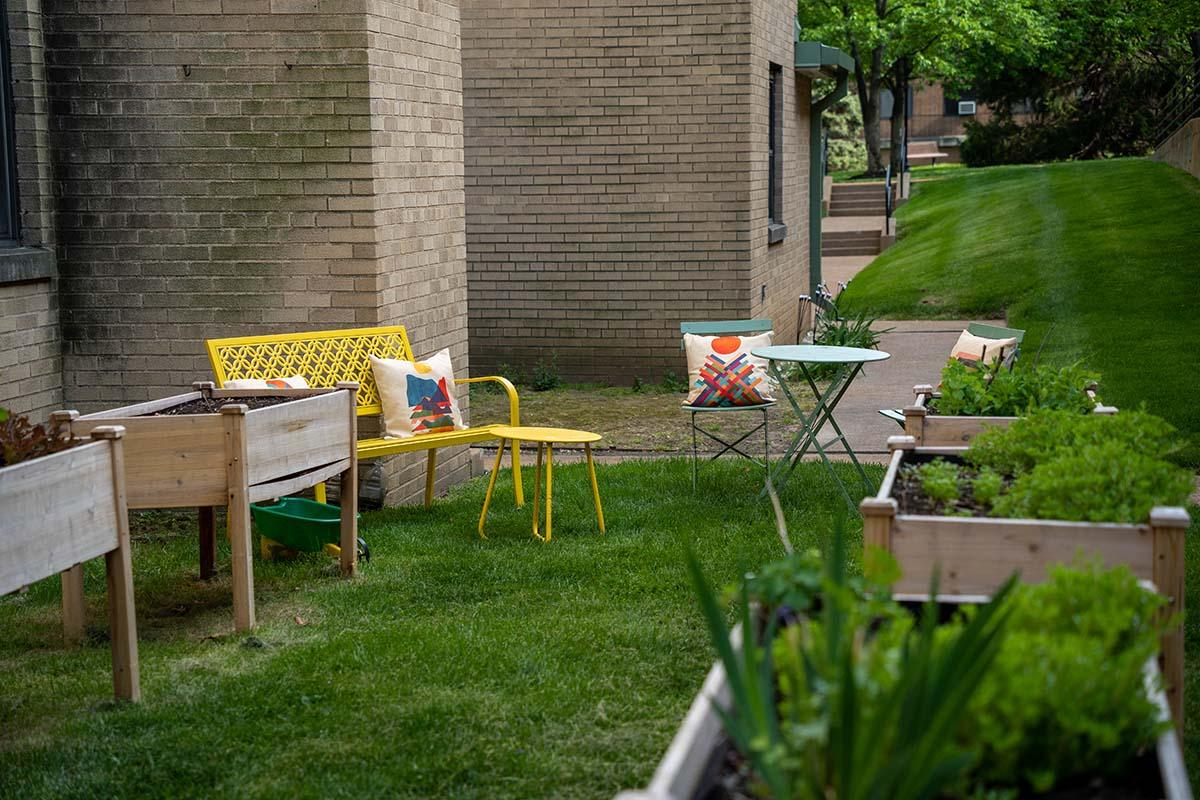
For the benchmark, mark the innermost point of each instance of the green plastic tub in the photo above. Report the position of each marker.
(299, 524)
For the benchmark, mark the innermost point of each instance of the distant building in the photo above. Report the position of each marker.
(934, 115)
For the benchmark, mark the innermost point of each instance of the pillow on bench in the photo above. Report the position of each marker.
(417, 396)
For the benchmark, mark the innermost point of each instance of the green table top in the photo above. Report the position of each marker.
(819, 354)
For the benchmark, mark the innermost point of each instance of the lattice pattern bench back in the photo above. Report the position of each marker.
(322, 357)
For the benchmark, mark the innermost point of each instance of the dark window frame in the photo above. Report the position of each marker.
(10, 218)
(776, 229)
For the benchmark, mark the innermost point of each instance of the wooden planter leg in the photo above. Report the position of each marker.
(349, 490)
(208, 542)
(238, 519)
(73, 604)
(1168, 526)
(119, 568)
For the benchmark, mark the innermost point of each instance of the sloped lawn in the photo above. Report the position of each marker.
(452, 667)
(1098, 260)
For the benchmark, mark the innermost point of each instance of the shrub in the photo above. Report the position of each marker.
(673, 384)
(836, 330)
(21, 440)
(1000, 392)
(1065, 699)
(545, 374)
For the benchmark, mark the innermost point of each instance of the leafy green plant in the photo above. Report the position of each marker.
(21, 440)
(986, 486)
(837, 330)
(545, 375)
(673, 384)
(940, 480)
(1066, 698)
(868, 700)
(996, 391)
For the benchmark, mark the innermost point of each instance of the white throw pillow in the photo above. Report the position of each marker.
(971, 349)
(417, 396)
(294, 382)
(721, 371)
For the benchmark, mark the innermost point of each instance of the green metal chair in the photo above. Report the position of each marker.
(740, 327)
(987, 332)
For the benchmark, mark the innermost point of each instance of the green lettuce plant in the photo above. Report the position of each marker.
(999, 392)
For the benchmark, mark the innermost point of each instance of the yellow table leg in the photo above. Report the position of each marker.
(518, 490)
(319, 492)
(487, 498)
(537, 490)
(587, 448)
(549, 487)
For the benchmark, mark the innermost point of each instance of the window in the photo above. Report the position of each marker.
(950, 104)
(776, 230)
(8, 153)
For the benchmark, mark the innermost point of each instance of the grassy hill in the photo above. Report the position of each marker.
(1099, 261)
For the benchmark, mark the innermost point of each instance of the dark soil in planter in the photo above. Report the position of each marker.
(213, 405)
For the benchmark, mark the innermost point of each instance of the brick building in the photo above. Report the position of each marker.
(176, 170)
(938, 116)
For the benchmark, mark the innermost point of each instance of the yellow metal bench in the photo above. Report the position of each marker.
(326, 357)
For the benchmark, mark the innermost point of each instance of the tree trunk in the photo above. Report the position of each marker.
(867, 81)
(899, 107)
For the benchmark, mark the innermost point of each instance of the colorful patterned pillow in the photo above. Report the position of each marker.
(971, 349)
(294, 382)
(417, 397)
(722, 372)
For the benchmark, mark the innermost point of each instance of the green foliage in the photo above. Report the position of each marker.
(1099, 483)
(986, 486)
(1065, 699)
(939, 480)
(843, 126)
(1043, 436)
(836, 329)
(21, 440)
(868, 701)
(996, 391)
(1066, 466)
(545, 374)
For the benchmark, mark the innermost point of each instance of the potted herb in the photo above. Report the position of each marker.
(970, 399)
(63, 503)
(1020, 498)
(235, 447)
(839, 691)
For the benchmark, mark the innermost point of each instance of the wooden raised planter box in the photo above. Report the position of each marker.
(692, 765)
(938, 430)
(237, 457)
(975, 555)
(60, 510)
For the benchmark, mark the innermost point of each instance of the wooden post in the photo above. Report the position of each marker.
(238, 516)
(914, 415)
(349, 489)
(204, 387)
(1168, 527)
(119, 568)
(877, 514)
(74, 613)
(208, 542)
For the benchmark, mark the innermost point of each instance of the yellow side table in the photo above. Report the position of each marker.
(546, 438)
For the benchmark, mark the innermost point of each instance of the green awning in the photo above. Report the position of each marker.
(816, 60)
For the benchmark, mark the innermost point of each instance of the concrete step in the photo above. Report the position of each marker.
(870, 211)
(850, 236)
(865, 209)
(858, 190)
(850, 250)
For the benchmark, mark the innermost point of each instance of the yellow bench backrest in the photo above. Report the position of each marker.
(322, 357)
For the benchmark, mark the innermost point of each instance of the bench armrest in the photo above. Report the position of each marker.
(514, 408)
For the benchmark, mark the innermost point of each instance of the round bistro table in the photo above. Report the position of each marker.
(850, 361)
(546, 438)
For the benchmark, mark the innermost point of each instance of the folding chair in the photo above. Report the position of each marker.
(987, 332)
(744, 327)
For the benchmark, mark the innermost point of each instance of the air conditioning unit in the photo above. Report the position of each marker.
(966, 108)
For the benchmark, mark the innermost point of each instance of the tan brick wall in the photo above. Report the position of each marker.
(779, 272)
(30, 349)
(607, 175)
(1182, 149)
(30, 343)
(252, 166)
(420, 231)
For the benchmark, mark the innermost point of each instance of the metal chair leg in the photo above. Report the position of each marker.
(694, 455)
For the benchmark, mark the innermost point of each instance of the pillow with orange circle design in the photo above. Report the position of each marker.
(722, 373)
(417, 396)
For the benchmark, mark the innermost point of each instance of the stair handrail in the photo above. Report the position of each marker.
(887, 193)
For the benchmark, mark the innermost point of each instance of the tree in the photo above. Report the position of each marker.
(894, 42)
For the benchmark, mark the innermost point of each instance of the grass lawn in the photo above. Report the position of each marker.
(1098, 260)
(453, 667)
(921, 172)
